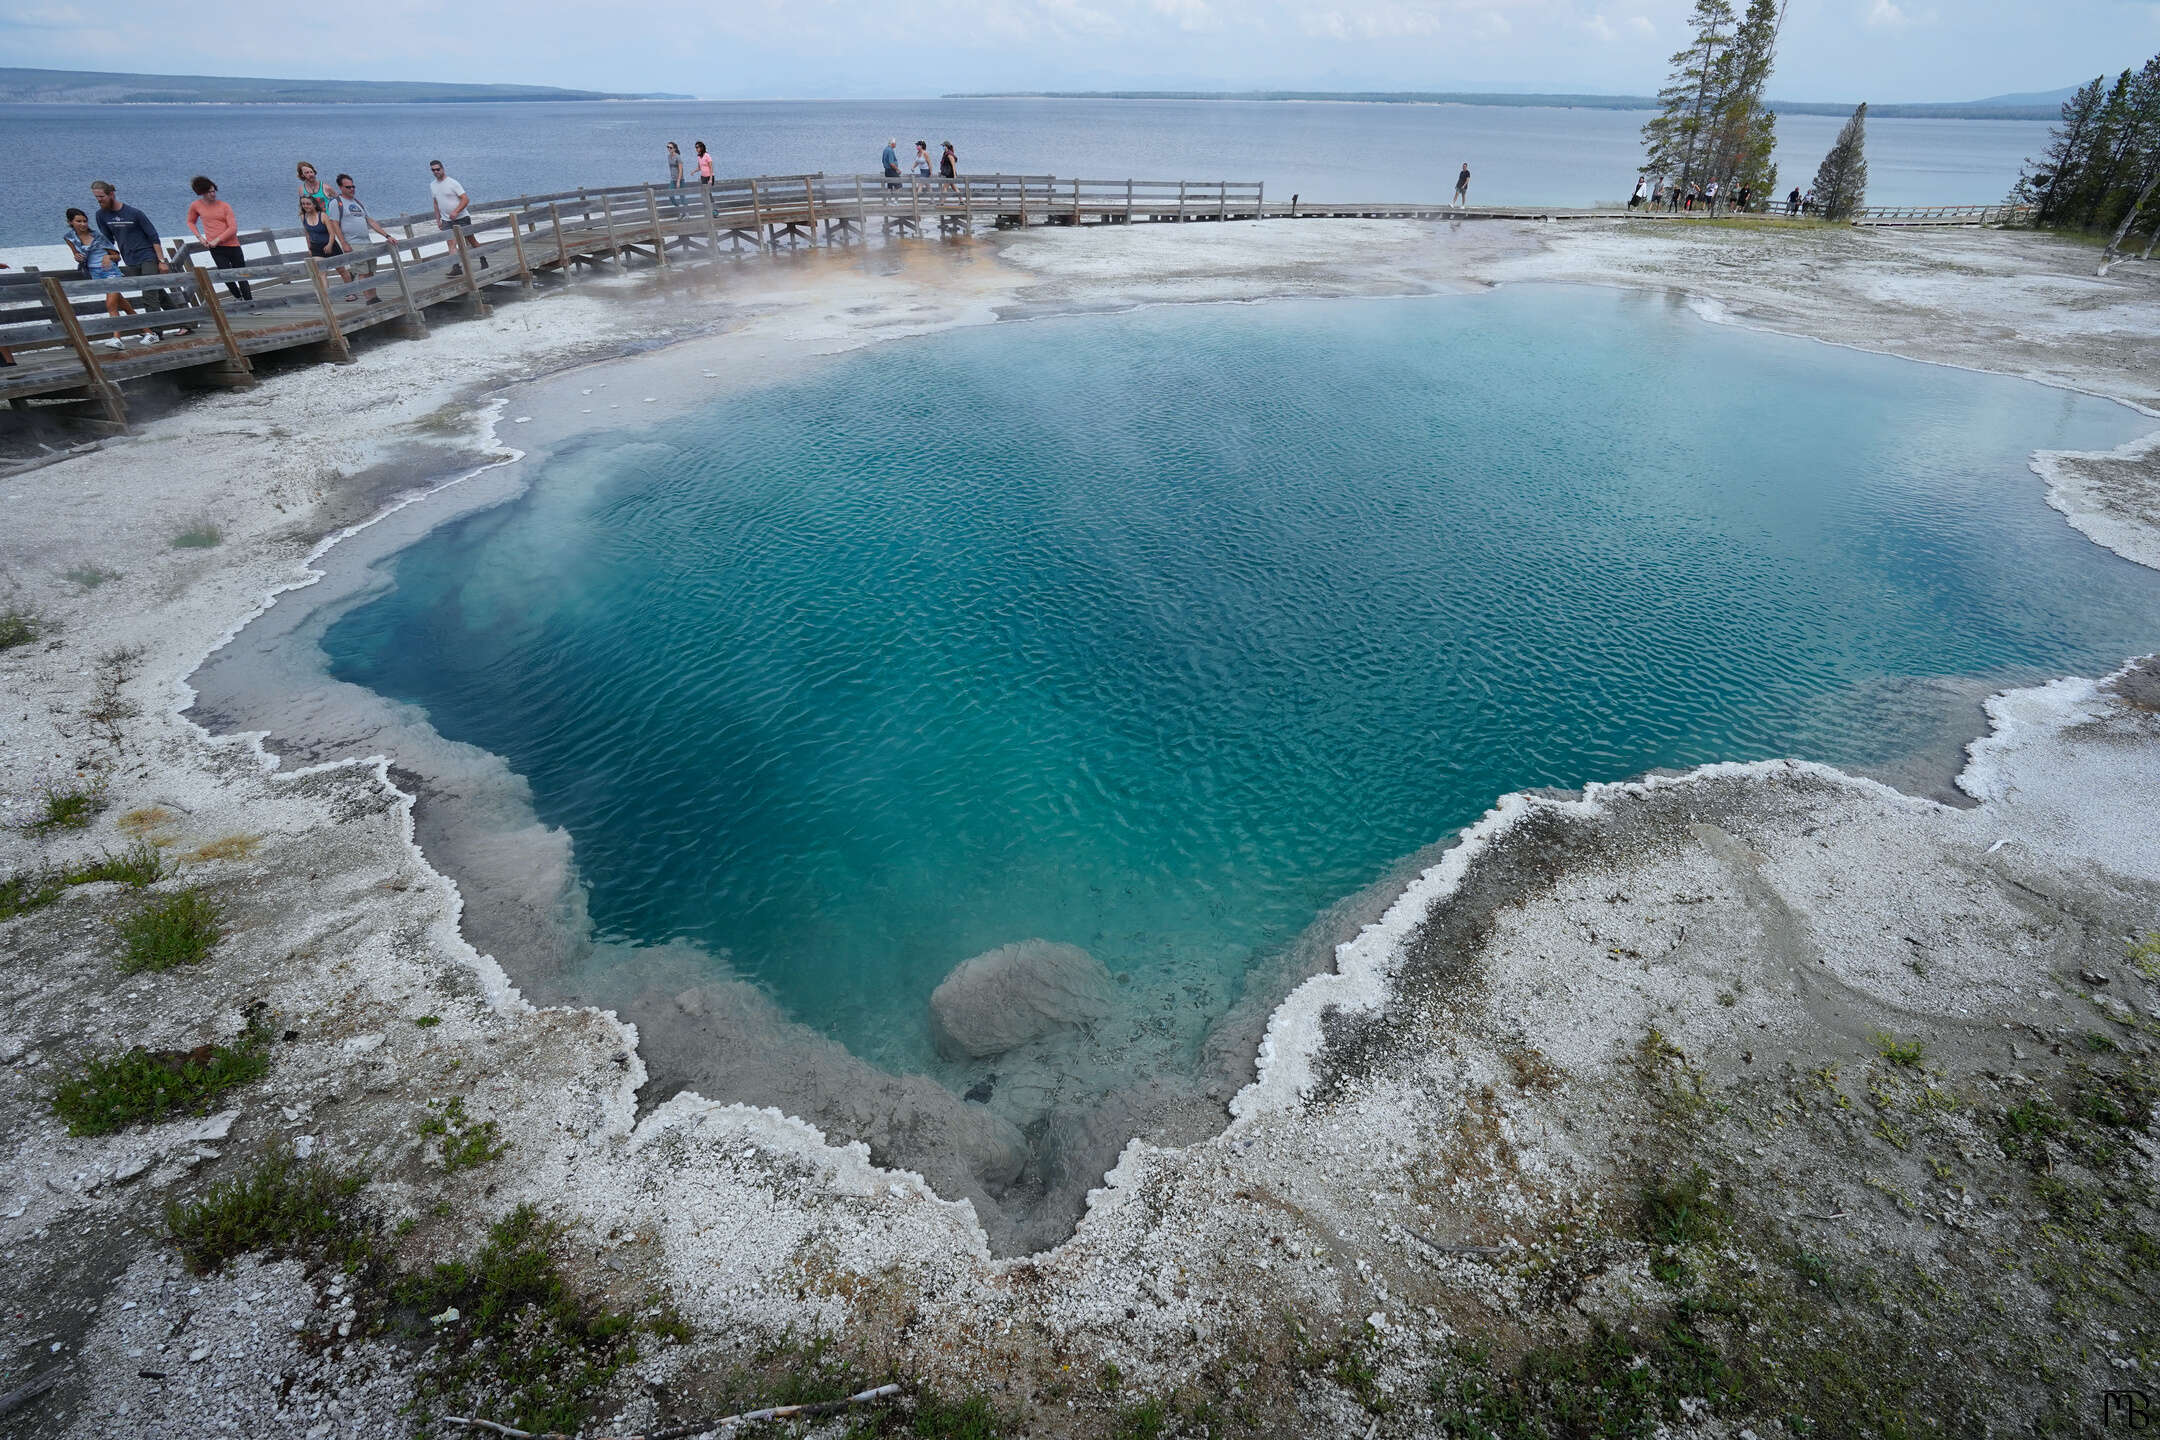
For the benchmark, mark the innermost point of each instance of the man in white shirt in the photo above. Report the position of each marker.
(450, 203)
(346, 209)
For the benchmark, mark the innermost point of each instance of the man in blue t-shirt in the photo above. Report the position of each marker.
(891, 161)
(132, 234)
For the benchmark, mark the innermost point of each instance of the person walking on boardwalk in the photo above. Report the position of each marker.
(323, 240)
(346, 210)
(213, 223)
(99, 259)
(1709, 196)
(451, 202)
(1635, 200)
(949, 167)
(136, 238)
(311, 186)
(890, 163)
(922, 159)
(1462, 185)
(1792, 202)
(674, 166)
(704, 163)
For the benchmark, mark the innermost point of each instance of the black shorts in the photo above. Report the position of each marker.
(327, 249)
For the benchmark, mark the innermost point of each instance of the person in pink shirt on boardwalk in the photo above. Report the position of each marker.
(218, 228)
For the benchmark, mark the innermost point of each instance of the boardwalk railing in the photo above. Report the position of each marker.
(1943, 215)
(206, 324)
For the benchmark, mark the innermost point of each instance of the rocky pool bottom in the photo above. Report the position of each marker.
(755, 724)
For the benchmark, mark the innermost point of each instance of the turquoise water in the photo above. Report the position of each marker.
(1158, 633)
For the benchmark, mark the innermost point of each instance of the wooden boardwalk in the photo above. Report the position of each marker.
(72, 358)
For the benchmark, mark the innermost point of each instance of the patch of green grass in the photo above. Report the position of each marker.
(525, 1350)
(30, 890)
(285, 1206)
(176, 929)
(112, 1094)
(427, 1022)
(19, 626)
(466, 1143)
(1143, 1420)
(66, 805)
(1908, 1053)
(1674, 1214)
(198, 535)
(90, 575)
(2145, 955)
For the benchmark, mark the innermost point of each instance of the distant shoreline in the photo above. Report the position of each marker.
(1953, 110)
(23, 86)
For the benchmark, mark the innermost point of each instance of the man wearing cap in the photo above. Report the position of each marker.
(135, 237)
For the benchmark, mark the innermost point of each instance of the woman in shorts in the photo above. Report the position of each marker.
(96, 258)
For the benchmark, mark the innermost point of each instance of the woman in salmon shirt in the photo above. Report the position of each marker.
(218, 228)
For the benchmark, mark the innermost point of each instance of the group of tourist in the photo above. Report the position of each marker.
(947, 168)
(1693, 196)
(120, 241)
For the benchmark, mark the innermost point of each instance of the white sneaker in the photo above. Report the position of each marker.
(152, 339)
(113, 344)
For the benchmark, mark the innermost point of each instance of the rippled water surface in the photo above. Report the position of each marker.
(1157, 633)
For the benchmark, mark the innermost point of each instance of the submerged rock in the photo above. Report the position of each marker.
(1008, 996)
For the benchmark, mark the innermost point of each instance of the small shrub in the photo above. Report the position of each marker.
(90, 575)
(109, 1095)
(1908, 1053)
(285, 1206)
(179, 929)
(524, 1349)
(66, 805)
(427, 1022)
(19, 626)
(2145, 955)
(29, 890)
(137, 865)
(199, 535)
(466, 1143)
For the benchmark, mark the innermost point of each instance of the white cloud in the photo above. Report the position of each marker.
(1642, 26)
(1888, 15)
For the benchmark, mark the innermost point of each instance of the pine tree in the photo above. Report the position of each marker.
(1841, 180)
(2047, 183)
(1673, 140)
(2125, 149)
(1744, 136)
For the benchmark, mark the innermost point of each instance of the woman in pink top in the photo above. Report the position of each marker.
(218, 228)
(704, 164)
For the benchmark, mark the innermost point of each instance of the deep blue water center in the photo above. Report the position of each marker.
(1157, 633)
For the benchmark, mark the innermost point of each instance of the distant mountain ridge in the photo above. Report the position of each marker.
(2036, 107)
(62, 87)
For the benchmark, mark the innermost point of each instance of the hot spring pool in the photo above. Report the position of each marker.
(1155, 634)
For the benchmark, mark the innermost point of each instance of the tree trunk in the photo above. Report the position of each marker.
(2107, 256)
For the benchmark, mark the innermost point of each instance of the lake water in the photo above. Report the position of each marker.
(1161, 632)
(1322, 151)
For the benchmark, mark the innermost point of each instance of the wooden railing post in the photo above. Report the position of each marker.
(562, 249)
(415, 327)
(101, 390)
(810, 204)
(652, 211)
(216, 307)
(1128, 202)
(517, 242)
(712, 222)
(607, 218)
(757, 211)
(1259, 207)
(339, 350)
(862, 217)
(1222, 200)
(1181, 201)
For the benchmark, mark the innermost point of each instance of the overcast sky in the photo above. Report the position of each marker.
(1880, 50)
